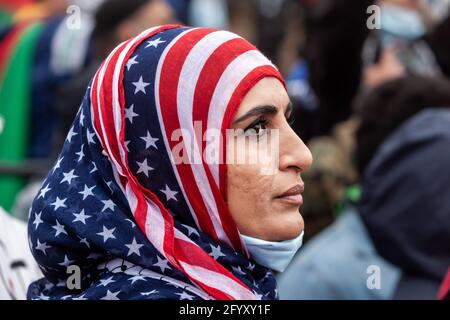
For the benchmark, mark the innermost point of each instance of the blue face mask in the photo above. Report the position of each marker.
(275, 255)
(401, 22)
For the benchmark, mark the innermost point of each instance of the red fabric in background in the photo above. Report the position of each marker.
(13, 4)
(444, 292)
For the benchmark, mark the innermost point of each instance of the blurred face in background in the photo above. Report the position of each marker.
(419, 6)
(403, 3)
(56, 6)
(154, 13)
(266, 206)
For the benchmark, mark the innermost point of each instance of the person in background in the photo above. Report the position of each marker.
(402, 154)
(439, 44)
(331, 178)
(208, 14)
(115, 22)
(30, 79)
(333, 174)
(17, 266)
(404, 25)
(335, 34)
(40, 9)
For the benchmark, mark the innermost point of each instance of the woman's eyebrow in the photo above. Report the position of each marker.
(262, 110)
(256, 111)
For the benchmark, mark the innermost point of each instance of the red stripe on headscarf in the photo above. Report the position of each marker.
(106, 106)
(206, 85)
(168, 90)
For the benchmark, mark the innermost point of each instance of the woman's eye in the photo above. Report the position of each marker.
(258, 128)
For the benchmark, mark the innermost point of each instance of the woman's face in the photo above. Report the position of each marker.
(265, 204)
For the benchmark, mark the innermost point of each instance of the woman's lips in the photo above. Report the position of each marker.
(293, 195)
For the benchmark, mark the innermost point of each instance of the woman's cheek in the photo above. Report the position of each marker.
(250, 183)
(255, 177)
(250, 199)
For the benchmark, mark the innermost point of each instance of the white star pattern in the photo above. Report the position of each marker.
(107, 234)
(90, 137)
(185, 296)
(191, 230)
(133, 225)
(173, 284)
(43, 297)
(82, 119)
(87, 191)
(59, 203)
(150, 141)
(130, 114)
(66, 262)
(93, 169)
(238, 270)
(140, 86)
(81, 217)
(70, 135)
(154, 43)
(111, 295)
(169, 193)
(108, 204)
(58, 164)
(149, 292)
(137, 278)
(42, 246)
(162, 264)
(144, 167)
(37, 220)
(258, 296)
(132, 61)
(126, 143)
(68, 176)
(134, 247)
(216, 253)
(84, 241)
(105, 282)
(44, 191)
(59, 229)
(80, 153)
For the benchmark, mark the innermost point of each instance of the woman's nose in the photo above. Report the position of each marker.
(294, 154)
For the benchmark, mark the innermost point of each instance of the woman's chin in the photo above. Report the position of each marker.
(288, 227)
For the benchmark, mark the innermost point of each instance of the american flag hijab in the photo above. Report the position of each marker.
(138, 225)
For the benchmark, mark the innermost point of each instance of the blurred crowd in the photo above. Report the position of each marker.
(370, 85)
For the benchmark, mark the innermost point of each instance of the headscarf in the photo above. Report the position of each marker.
(117, 206)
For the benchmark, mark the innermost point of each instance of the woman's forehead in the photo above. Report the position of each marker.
(268, 91)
